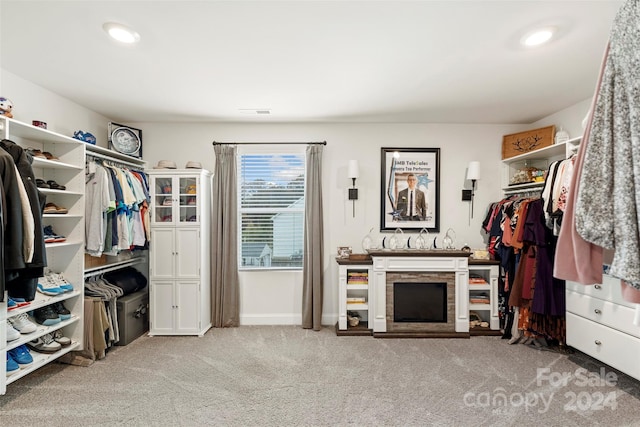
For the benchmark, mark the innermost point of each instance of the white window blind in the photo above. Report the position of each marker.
(271, 188)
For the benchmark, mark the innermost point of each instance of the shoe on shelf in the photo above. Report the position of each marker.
(12, 365)
(55, 186)
(50, 236)
(41, 184)
(60, 338)
(20, 301)
(62, 311)
(11, 304)
(12, 333)
(21, 355)
(46, 316)
(48, 287)
(52, 208)
(22, 323)
(60, 281)
(44, 344)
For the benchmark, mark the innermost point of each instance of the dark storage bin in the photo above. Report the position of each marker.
(133, 316)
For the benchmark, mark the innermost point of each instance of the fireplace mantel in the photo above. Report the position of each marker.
(452, 261)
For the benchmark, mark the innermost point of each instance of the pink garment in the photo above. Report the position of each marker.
(576, 259)
(629, 293)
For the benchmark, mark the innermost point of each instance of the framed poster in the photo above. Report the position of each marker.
(410, 192)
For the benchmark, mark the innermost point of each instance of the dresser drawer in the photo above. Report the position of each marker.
(609, 290)
(612, 347)
(607, 313)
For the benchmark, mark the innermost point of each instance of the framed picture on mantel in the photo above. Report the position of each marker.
(410, 190)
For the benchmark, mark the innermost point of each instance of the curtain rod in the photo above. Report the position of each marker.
(264, 143)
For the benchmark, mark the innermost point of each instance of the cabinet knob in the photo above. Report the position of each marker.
(598, 287)
(597, 311)
(598, 342)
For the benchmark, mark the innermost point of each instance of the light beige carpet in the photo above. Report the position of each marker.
(287, 376)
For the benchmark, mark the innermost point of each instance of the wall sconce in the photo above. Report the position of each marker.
(473, 174)
(353, 191)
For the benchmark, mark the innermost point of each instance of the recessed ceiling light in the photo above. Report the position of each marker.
(121, 33)
(537, 37)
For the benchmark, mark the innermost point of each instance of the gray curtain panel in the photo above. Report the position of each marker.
(313, 242)
(225, 295)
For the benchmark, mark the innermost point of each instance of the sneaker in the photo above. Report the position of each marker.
(62, 311)
(59, 280)
(21, 355)
(22, 323)
(12, 365)
(61, 339)
(46, 316)
(21, 302)
(11, 304)
(44, 344)
(50, 236)
(12, 333)
(48, 287)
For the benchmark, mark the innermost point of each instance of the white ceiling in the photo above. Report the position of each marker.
(310, 61)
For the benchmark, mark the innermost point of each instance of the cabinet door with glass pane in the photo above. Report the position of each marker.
(189, 187)
(176, 199)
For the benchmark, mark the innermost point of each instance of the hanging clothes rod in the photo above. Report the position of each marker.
(115, 162)
(274, 143)
(96, 271)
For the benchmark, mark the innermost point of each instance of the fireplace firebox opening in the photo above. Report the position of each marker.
(418, 302)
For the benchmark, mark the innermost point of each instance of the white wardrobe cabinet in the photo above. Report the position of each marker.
(179, 253)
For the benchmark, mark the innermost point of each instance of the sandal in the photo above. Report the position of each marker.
(41, 184)
(36, 153)
(55, 185)
(49, 156)
(52, 208)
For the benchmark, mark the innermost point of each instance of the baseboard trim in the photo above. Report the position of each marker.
(281, 319)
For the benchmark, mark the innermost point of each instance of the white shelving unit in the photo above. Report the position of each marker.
(179, 256)
(489, 271)
(541, 159)
(65, 257)
(351, 275)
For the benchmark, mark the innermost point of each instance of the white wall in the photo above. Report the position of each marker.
(275, 297)
(33, 102)
(570, 119)
(269, 297)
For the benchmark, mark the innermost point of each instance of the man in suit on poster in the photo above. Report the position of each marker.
(411, 201)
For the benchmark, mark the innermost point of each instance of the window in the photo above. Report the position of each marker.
(271, 188)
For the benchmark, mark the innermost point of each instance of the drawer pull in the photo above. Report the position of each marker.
(598, 287)
(597, 311)
(598, 342)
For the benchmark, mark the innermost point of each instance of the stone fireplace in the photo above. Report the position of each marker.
(446, 272)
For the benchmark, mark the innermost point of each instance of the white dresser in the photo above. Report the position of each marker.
(600, 324)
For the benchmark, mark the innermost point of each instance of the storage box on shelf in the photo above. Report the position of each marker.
(63, 167)
(179, 265)
(483, 294)
(354, 296)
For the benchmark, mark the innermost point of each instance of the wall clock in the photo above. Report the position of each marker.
(125, 140)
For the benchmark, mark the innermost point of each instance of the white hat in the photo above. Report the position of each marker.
(193, 165)
(166, 164)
